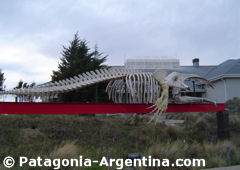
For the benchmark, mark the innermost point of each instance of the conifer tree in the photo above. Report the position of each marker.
(76, 59)
(2, 79)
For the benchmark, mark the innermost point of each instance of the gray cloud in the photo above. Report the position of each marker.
(208, 29)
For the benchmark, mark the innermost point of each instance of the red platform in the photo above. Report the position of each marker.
(98, 108)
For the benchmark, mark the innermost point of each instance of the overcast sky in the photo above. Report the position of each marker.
(32, 32)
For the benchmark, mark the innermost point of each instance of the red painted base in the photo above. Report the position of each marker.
(98, 108)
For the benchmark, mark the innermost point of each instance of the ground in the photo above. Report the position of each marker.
(67, 136)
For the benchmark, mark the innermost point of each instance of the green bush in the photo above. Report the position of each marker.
(233, 105)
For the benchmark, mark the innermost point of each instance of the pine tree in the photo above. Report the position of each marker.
(21, 84)
(2, 79)
(76, 59)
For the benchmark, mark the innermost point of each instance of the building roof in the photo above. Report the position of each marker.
(229, 67)
(198, 70)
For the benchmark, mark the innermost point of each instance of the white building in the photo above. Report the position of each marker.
(151, 63)
(226, 79)
(225, 76)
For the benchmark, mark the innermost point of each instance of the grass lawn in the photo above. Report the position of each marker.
(68, 136)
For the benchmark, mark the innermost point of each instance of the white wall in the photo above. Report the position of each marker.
(224, 90)
(218, 93)
(233, 88)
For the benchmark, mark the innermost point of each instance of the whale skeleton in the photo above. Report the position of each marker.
(126, 86)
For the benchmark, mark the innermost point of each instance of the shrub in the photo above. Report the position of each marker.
(234, 122)
(215, 153)
(173, 131)
(32, 134)
(210, 117)
(67, 149)
(201, 124)
(233, 105)
(169, 150)
(190, 118)
(195, 150)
